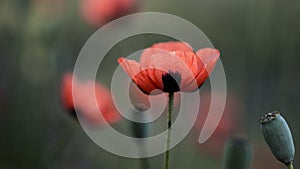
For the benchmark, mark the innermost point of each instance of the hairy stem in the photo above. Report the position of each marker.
(169, 123)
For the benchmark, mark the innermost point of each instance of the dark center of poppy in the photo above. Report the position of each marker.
(171, 81)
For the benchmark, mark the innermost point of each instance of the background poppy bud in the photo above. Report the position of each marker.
(238, 153)
(139, 129)
(278, 136)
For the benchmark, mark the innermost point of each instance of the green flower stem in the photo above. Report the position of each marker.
(290, 165)
(169, 119)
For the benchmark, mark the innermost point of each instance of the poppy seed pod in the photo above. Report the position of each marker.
(278, 136)
(238, 153)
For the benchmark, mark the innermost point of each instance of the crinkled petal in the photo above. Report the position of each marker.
(194, 63)
(160, 64)
(174, 46)
(139, 76)
(209, 57)
(165, 47)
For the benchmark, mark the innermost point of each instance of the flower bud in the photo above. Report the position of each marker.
(238, 153)
(278, 136)
(140, 129)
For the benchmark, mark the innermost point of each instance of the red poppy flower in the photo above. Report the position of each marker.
(171, 67)
(84, 100)
(99, 12)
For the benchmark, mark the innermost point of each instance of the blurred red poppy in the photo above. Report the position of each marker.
(66, 92)
(99, 12)
(84, 100)
(171, 67)
(226, 128)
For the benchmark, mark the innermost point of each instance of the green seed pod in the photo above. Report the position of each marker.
(238, 153)
(278, 136)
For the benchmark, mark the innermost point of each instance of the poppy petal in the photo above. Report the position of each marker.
(201, 76)
(139, 77)
(195, 65)
(192, 61)
(165, 47)
(209, 57)
(131, 67)
(159, 65)
(173, 46)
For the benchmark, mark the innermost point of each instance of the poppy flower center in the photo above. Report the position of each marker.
(171, 82)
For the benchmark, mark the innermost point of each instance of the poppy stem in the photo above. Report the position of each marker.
(290, 165)
(169, 123)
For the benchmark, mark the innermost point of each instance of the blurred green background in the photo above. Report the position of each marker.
(41, 39)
